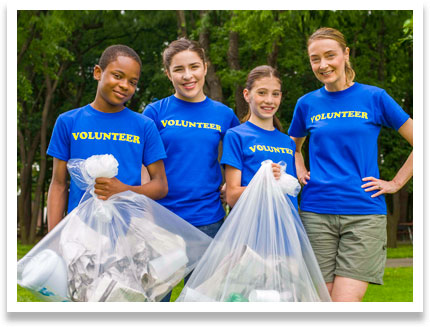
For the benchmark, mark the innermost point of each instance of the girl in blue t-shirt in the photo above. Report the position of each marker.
(342, 201)
(259, 138)
(191, 126)
(106, 126)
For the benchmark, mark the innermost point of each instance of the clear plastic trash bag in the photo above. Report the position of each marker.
(261, 253)
(127, 248)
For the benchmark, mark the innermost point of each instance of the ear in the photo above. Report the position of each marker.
(346, 53)
(206, 68)
(97, 73)
(166, 71)
(246, 95)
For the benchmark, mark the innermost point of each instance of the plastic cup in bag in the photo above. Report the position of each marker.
(165, 266)
(264, 296)
(46, 273)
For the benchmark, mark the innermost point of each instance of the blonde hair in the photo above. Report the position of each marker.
(334, 34)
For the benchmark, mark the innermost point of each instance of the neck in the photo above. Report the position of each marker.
(336, 87)
(198, 98)
(266, 124)
(103, 106)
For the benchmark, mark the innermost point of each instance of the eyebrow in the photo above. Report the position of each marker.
(193, 63)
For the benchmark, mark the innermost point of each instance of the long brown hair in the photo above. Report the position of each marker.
(180, 45)
(254, 75)
(334, 34)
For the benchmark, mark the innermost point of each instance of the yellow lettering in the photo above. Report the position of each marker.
(344, 113)
(115, 135)
(317, 117)
(336, 114)
(164, 122)
(212, 126)
(75, 136)
(177, 123)
(98, 135)
(84, 135)
(328, 115)
(259, 148)
(106, 136)
(199, 125)
(218, 127)
(357, 114)
(277, 150)
(90, 136)
(312, 118)
(184, 122)
(136, 139)
(205, 125)
(364, 115)
(171, 122)
(252, 148)
(323, 116)
(129, 138)
(350, 113)
(122, 137)
(192, 124)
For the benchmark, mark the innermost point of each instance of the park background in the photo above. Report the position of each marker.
(57, 50)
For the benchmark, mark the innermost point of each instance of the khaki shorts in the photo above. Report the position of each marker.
(352, 246)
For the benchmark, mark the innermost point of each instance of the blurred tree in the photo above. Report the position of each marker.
(57, 51)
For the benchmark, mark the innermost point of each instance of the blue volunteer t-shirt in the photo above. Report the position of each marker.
(130, 137)
(246, 146)
(343, 129)
(191, 133)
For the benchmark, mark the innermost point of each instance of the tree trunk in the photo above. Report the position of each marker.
(50, 90)
(182, 27)
(393, 221)
(272, 58)
(233, 63)
(24, 200)
(213, 82)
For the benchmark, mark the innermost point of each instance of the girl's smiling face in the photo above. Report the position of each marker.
(117, 83)
(328, 63)
(187, 73)
(264, 99)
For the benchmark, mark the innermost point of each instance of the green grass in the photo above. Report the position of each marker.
(398, 287)
(398, 282)
(401, 251)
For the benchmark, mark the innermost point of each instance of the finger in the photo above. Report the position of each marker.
(370, 178)
(373, 188)
(377, 194)
(369, 184)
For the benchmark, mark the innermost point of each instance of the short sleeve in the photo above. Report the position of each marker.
(59, 146)
(298, 123)
(232, 150)
(391, 114)
(153, 148)
(234, 121)
(152, 113)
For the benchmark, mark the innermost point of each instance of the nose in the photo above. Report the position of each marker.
(187, 74)
(269, 99)
(323, 64)
(123, 84)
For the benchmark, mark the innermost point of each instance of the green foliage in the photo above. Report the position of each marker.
(380, 45)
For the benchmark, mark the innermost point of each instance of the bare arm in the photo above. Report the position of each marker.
(156, 188)
(303, 175)
(403, 175)
(57, 194)
(233, 177)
